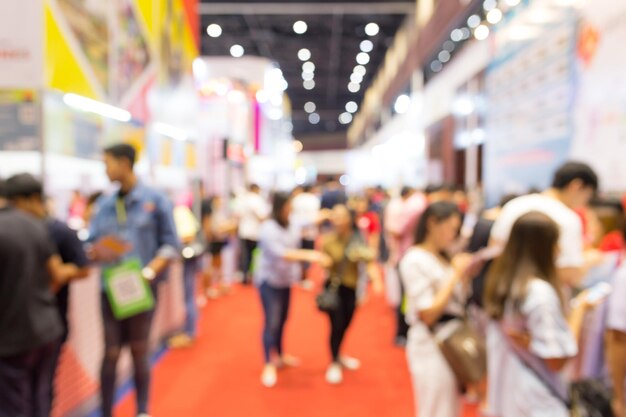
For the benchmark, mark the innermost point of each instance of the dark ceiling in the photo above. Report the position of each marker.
(335, 31)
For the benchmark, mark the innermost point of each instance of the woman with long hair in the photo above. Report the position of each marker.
(436, 288)
(530, 339)
(346, 250)
(277, 270)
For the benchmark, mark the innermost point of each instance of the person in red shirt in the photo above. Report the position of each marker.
(368, 222)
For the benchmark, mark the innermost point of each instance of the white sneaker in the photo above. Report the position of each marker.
(334, 374)
(143, 415)
(269, 376)
(351, 364)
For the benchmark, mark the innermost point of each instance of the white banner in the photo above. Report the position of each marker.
(21, 43)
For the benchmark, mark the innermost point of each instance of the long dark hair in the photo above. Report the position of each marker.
(530, 253)
(440, 211)
(279, 201)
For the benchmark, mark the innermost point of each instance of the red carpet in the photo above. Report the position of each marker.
(220, 375)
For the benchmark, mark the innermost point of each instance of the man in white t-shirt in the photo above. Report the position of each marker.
(574, 184)
(305, 215)
(251, 211)
(616, 341)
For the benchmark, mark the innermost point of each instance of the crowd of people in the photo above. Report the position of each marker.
(510, 282)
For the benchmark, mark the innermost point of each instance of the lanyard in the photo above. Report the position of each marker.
(120, 209)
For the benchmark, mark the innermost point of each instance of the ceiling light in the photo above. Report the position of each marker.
(304, 54)
(444, 56)
(237, 51)
(466, 33)
(354, 87)
(352, 107)
(214, 30)
(363, 58)
(494, 16)
(314, 118)
(308, 67)
(360, 69)
(356, 78)
(308, 76)
(297, 146)
(456, 35)
(308, 85)
(449, 46)
(309, 107)
(482, 32)
(490, 4)
(345, 180)
(372, 29)
(473, 21)
(345, 118)
(284, 85)
(402, 104)
(367, 46)
(92, 106)
(436, 66)
(300, 27)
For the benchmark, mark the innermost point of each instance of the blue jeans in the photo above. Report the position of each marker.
(134, 332)
(190, 271)
(276, 308)
(26, 382)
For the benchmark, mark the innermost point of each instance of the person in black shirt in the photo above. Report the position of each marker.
(333, 194)
(30, 326)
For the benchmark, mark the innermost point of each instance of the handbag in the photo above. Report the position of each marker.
(587, 397)
(328, 300)
(463, 349)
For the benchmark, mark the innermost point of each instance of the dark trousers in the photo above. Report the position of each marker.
(402, 328)
(26, 382)
(190, 271)
(340, 319)
(245, 259)
(134, 332)
(276, 309)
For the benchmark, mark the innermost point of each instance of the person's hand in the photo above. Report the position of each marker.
(594, 257)
(521, 339)
(323, 259)
(619, 410)
(461, 263)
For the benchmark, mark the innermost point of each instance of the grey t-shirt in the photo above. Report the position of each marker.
(28, 312)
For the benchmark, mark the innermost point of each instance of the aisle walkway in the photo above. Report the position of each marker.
(220, 375)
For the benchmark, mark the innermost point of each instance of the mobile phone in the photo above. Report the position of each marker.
(595, 294)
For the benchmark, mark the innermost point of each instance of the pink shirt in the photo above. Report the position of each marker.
(412, 210)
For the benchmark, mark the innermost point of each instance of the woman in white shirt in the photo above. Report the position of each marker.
(436, 291)
(529, 339)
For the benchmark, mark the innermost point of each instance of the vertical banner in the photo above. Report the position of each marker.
(21, 51)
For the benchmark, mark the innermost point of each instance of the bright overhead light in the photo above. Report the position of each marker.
(490, 4)
(237, 51)
(92, 106)
(314, 118)
(444, 56)
(367, 46)
(308, 76)
(214, 30)
(436, 66)
(308, 67)
(473, 21)
(304, 54)
(308, 85)
(345, 180)
(300, 27)
(449, 46)
(466, 33)
(170, 131)
(297, 146)
(402, 104)
(309, 107)
(354, 87)
(456, 35)
(356, 78)
(262, 96)
(345, 118)
(352, 107)
(494, 16)
(372, 29)
(360, 69)
(481, 32)
(363, 58)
